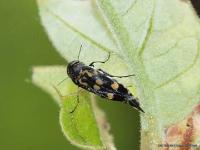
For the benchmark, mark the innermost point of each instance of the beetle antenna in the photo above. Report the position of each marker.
(62, 81)
(79, 53)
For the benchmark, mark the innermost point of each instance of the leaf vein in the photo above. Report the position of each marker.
(129, 8)
(81, 34)
(148, 34)
(182, 72)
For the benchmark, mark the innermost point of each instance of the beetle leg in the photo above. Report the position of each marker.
(63, 97)
(115, 76)
(77, 94)
(92, 63)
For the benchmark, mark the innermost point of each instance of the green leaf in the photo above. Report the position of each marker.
(158, 40)
(74, 126)
(77, 118)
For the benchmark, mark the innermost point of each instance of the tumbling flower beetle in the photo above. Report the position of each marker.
(100, 82)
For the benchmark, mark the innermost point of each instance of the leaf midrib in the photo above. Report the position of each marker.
(135, 64)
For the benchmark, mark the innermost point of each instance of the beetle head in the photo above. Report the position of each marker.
(74, 68)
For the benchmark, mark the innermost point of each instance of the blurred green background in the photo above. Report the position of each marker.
(29, 116)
